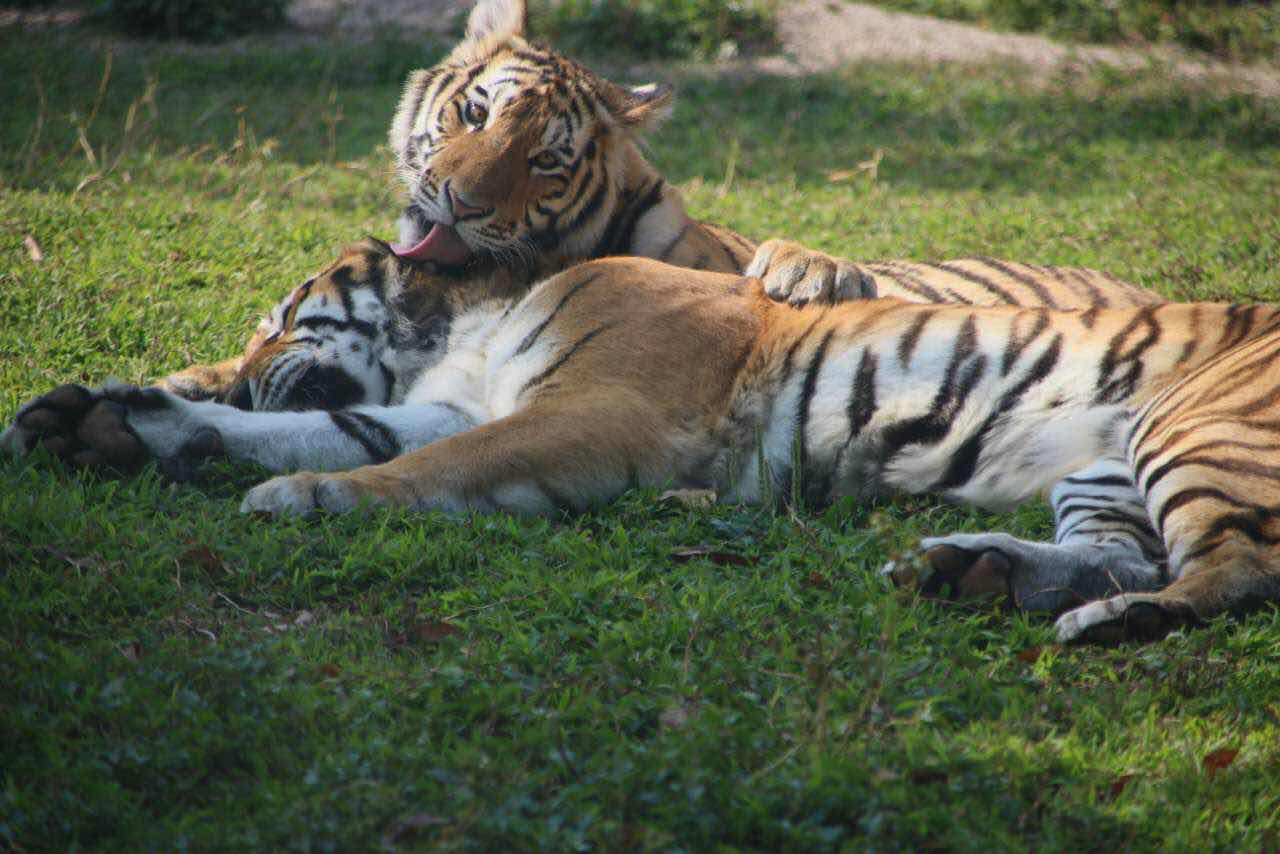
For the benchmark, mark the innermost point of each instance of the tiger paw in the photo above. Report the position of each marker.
(117, 427)
(304, 493)
(77, 425)
(967, 573)
(1127, 617)
(799, 276)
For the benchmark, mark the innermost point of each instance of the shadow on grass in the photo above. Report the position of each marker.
(940, 128)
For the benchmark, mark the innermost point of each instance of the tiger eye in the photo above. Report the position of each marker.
(545, 160)
(475, 113)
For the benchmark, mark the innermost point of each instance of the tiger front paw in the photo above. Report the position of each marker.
(118, 427)
(304, 493)
(80, 426)
(963, 566)
(799, 276)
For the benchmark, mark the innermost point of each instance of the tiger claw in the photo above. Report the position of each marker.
(799, 276)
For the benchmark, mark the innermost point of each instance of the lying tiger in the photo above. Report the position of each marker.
(514, 155)
(1144, 423)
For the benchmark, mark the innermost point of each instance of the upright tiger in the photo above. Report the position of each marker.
(515, 156)
(1152, 426)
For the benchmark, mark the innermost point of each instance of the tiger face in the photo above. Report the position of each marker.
(341, 338)
(512, 152)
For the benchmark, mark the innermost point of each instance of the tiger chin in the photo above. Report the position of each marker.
(481, 394)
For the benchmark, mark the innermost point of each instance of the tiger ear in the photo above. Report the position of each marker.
(639, 107)
(496, 20)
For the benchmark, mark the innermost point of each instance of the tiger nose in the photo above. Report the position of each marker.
(462, 210)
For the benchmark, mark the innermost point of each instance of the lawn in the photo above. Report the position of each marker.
(649, 676)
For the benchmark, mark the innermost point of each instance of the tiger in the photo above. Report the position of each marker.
(1148, 427)
(515, 156)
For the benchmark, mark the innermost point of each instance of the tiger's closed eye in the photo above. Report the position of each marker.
(545, 160)
(475, 113)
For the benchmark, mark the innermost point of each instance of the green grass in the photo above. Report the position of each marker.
(176, 674)
(1240, 30)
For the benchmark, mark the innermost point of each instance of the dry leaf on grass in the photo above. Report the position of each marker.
(1218, 760)
(435, 632)
(205, 559)
(1118, 785)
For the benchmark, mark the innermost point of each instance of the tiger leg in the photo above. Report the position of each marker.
(122, 426)
(539, 460)
(1217, 503)
(203, 382)
(1103, 544)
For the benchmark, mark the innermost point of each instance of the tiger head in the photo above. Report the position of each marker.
(512, 152)
(357, 333)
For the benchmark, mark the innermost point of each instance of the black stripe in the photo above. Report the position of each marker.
(807, 390)
(977, 279)
(1119, 372)
(862, 404)
(905, 280)
(1036, 287)
(1201, 493)
(1230, 466)
(1106, 513)
(549, 237)
(378, 440)
(364, 327)
(576, 112)
(538, 330)
(445, 82)
(619, 234)
(539, 61)
(1239, 321)
(427, 78)
(389, 380)
(1071, 277)
(1244, 523)
(1193, 336)
(962, 375)
(789, 358)
(907, 344)
(965, 460)
(1105, 480)
(564, 357)
(1017, 343)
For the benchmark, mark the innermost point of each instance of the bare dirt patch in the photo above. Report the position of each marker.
(819, 35)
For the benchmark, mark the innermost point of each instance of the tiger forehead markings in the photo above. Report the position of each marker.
(1144, 424)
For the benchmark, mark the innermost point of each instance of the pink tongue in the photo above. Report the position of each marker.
(442, 244)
